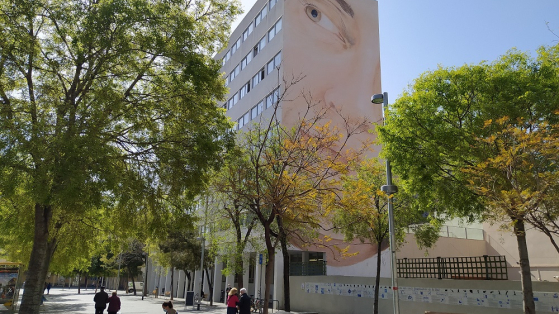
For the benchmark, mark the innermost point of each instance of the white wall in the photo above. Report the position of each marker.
(453, 296)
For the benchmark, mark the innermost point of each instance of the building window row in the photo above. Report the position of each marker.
(257, 110)
(259, 17)
(255, 51)
(257, 78)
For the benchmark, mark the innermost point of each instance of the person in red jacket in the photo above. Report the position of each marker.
(232, 301)
(114, 303)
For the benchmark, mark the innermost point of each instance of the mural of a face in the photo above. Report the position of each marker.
(334, 44)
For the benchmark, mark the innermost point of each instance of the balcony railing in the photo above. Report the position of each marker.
(476, 267)
(317, 268)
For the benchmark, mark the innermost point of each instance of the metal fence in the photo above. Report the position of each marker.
(476, 267)
(317, 268)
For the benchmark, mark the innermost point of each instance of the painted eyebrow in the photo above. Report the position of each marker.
(346, 7)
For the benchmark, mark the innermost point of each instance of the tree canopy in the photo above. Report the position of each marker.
(464, 141)
(106, 106)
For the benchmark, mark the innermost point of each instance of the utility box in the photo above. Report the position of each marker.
(189, 299)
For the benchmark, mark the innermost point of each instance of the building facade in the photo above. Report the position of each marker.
(323, 52)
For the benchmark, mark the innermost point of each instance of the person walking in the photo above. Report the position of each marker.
(244, 302)
(48, 288)
(114, 303)
(232, 301)
(101, 299)
(227, 292)
(168, 307)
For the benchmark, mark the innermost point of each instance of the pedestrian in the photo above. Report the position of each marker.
(48, 288)
(244, 302)
(232, 301)
(227, 292)
(168, 307)
(114, 303)
(101, 299)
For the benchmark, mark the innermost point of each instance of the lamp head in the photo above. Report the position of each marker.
(377, 99)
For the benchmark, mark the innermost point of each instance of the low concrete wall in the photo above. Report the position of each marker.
(345, 295)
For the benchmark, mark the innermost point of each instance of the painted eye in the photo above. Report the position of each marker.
(313, 13)
(322, 20)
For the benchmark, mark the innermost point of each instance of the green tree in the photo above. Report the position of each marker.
(361, 211)
(433, 131)
(104, 101)
(287, 170)
(230, 215)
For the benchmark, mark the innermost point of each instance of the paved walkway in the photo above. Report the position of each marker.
(67, 300)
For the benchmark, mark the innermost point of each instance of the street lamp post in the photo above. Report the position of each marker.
(389, 189)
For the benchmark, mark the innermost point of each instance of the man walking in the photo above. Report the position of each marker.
(101, 299)
(244, 302)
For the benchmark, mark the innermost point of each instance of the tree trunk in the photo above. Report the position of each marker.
(39, 261)
(133, 283)
(239, 279)
(79, 283)
(172, 282)
(286, 297)
(268, 279)
(525, 275)
(377, 279)
(187, 273)
(86, 276)
(211, 285)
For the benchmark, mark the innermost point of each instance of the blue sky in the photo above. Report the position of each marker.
(417, 36)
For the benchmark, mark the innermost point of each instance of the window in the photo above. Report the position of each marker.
(255, 50)
(274, 63)
(277, 59)
(276, 95)
(269, 101)
(251, 267)
(250, 28)
(262, 43)
(274, 30)
(261, 15)
(236, 46)
(270, 67)
(278, 26)
(245, 34)
(230, 103)
(264, 11)
(249, 57)
(272, 3)
(260, 107)
(247, 117)
(258, 77)
(235, 98)
(246, 60)
(237, 70)
(244, 90)
(226, 80)
(254, 112)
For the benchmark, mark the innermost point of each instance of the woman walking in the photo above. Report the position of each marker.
(168, 307)
(232, 301)
(114, 303)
